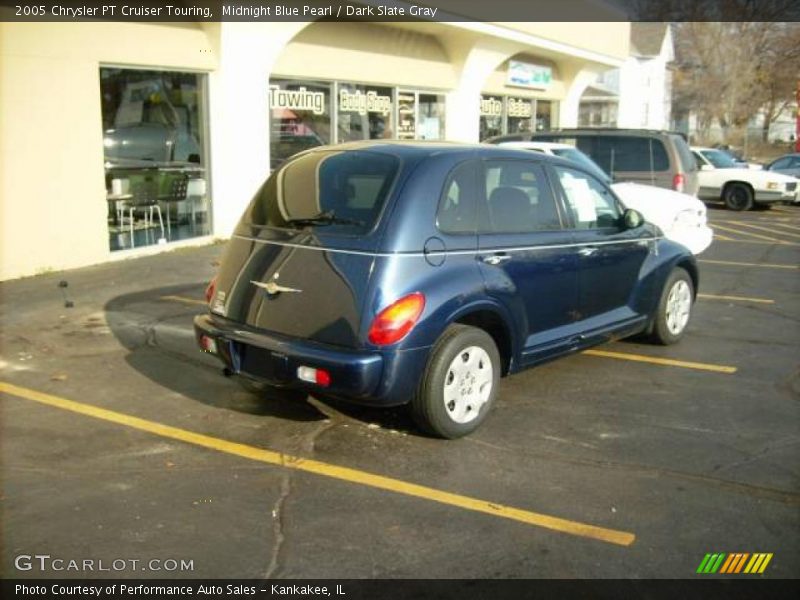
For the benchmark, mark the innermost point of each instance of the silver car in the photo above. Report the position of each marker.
(788, 164)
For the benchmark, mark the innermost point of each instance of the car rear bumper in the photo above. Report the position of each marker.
(367, 377)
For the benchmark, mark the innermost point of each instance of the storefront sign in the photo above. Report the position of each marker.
(299, 99)
(529, 75)
(519, 108)
(364, 103)
(491, 107)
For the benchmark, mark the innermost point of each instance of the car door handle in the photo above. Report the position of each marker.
(496, 259)
(587, 251)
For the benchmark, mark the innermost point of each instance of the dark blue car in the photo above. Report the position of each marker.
(389, 273)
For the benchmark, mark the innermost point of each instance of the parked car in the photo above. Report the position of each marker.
(788, 164)
(659, 158)
(681, 217)
(740, 189)
(418, 273)
(738, 160)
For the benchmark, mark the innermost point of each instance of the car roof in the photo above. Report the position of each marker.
(582, 131)
(536, 144)
(421, 149)
(703, 148)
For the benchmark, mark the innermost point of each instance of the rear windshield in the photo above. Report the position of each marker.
(688, 163)
(340, 192)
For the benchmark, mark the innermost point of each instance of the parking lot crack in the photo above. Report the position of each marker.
(278, 525)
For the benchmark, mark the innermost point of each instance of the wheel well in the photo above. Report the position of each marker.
(730, 183)
(492, 324)
(691, 268)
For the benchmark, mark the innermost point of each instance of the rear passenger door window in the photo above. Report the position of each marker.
(457, 206)
(518, 199)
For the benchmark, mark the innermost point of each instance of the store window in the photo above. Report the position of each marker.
(154, 142)
(431, 117)
(305, 114)
(508, 115)
(544, 115)
(520, 114)
(420, 116)
(364, 112)
(491, 122)
(300, 117)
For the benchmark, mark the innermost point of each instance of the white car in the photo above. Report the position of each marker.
(681, 217)
(740, 189)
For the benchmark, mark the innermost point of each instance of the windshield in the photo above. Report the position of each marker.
(340, 192)
(719, 159)
(579, 157)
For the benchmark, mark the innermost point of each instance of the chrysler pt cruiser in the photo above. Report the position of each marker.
(392, 273)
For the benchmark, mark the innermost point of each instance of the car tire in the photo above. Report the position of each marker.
(459, 385)
(738, 196)
(674, 308)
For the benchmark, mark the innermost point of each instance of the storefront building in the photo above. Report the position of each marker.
(122, 139)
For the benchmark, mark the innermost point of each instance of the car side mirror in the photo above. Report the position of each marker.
(706, 168)
(632, 218)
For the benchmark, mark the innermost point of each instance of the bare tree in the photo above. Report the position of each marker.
(731, 71)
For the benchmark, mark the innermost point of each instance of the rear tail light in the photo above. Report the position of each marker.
(211, 289)
(395, 321)
(319, 376)
(678, 182)
(208, 344)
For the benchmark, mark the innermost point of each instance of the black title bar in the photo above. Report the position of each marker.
(401, 10)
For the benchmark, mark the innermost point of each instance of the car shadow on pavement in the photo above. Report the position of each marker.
(155, 326)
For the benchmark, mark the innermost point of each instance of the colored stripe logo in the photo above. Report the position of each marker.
(735, 562)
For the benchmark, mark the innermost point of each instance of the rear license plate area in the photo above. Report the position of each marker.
(263, 363)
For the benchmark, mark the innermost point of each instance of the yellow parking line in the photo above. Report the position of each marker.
(271, 457)
(185, 300)
(755, 235)
(785, 225)
(767, 229)
(669, 362)
(744, 264)
(736, 298)
(723, 238)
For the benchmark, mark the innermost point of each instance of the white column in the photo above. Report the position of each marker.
(475, 61)
(239, 114)
(568, 111)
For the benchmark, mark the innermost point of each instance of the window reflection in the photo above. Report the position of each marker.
(154, 149)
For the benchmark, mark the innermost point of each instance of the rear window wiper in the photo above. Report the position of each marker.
(324, 218)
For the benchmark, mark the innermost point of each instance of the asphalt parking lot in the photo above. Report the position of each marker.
(121, 441)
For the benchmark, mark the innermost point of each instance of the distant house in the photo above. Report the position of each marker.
(638, 94)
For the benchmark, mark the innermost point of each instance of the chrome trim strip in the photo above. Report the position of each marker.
(450, 252)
